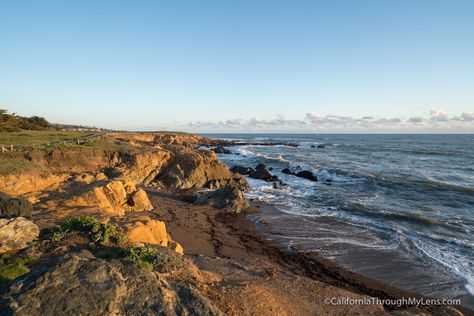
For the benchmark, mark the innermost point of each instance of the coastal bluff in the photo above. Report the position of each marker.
(150, 223)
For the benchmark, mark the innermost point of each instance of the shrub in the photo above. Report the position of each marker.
(148, 258)
(99, 232)
(13, 267)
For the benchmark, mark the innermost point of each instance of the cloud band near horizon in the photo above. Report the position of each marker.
(437, 120)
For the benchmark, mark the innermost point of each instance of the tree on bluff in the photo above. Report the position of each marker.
(10, 122)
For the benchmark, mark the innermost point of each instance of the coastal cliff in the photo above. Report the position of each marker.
(151, 223)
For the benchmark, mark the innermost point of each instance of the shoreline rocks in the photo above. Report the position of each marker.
(261, 173)
(305, 174)
(242, 170)
(221, 150)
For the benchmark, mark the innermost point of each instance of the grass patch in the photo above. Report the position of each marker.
(32, 138)
(15, 165)
(147, 258)
(13, 267)
(99, 233)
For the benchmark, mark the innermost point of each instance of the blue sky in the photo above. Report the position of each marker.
(241, 66)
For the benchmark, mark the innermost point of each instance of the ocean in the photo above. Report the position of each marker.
(396, 208)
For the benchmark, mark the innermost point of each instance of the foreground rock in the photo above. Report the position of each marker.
(14, 206)
(229, 198)
(149, 231)
(80, 284)
(16, 234)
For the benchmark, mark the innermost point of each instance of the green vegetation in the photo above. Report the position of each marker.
(14, 165)
(36, 138)
(100, 233)
(148, 258)
(13, 267)
(11, 122)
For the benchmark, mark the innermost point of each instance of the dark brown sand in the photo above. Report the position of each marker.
(256, 276)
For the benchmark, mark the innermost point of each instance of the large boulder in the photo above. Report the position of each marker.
(229, 198)
(16, 234)
(261, 173)
(149, 231)
(80, 284)
(139, 201)
(114, 198)
(14, 206)
(193, 169)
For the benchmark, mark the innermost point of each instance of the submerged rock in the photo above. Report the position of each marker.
(229, 198)
(278, 184)
(14, 206)
(80, 284)
(16, 233)
(321, 146)
(307, 175)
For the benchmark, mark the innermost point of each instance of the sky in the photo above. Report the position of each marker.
(241, 66)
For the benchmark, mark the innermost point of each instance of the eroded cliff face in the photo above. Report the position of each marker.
(108, 182)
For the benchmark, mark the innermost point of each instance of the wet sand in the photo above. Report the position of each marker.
(246, 262)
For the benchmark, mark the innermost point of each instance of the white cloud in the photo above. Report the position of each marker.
(468, 117)
(312, 122)
(439, 116)
(416, 119)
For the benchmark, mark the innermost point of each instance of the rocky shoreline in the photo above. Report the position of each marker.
(152, 224)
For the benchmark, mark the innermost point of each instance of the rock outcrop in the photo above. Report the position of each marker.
(30, 182)
(114, 198)
(149, 231)
(16, 234)
(14, 206)
(229, 199)
(143, 167)
(80, 284)
(193, 169)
